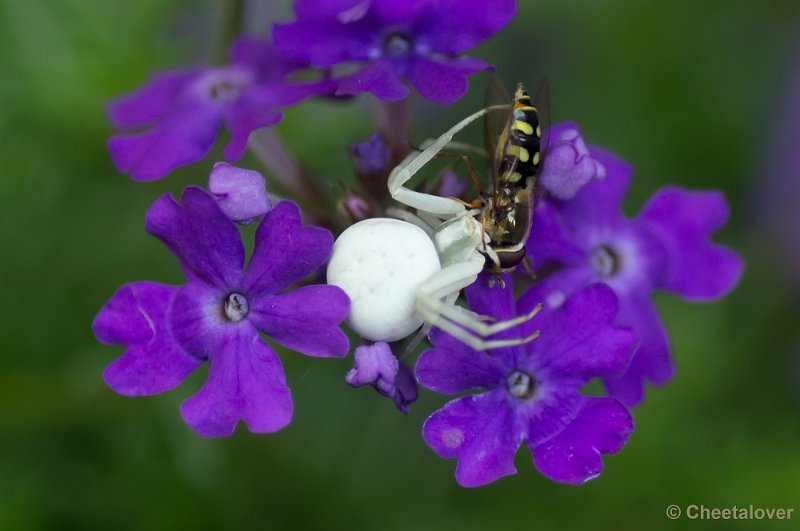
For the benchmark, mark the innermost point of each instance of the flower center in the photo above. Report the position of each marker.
(235, 307)
(223, 90)
(604, 261)
(520, 385)
(396, 45)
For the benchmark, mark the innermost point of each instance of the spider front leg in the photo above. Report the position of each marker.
(402, 173)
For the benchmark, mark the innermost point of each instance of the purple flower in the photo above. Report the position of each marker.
(395, 40)
(568, 165)
(218, 314)
(377, 366)
(372, 156)
(184, 109)
(531, 392)
(667, 247)
(240, 193)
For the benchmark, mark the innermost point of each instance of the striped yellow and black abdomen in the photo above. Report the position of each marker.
(523, 146)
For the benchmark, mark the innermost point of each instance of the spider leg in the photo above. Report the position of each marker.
(475, 342)
(474, 322)
(463, 324)
(402, 173)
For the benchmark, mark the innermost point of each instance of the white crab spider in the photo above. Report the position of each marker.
(403, 273)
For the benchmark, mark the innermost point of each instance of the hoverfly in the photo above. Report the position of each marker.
(516, 141)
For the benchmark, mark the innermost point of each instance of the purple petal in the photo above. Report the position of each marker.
(449, 371)
(258, 108)
(405, 386)
(205, 241)
(184, 136)
(554, 405)
(380, 78)
(240, 193)
(577, 340)
(323, 42)
(442, 81)
(284, 94)
(153, 362)
(599, 203)
(242, 118)
(374, 365)
(481, 432)
(549, 241)
(568, 166)
(196, 318)
(151, 102)
(377, 366)
(456, 26)
(260, 54)
(651, 361)
(574, 455)
(553, 292)
(488, 296)
(401, 14)
(285, 251)
(245, 382)
(305, 9)
(683, 222)
(305, 319)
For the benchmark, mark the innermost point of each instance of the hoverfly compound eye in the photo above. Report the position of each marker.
(380, 263)
(511, 259)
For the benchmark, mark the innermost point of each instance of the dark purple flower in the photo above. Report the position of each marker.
(377, 366)
(395, 40)
(218, 314)
(372, 156)
(530, 393)
(567, 165)
(183, 110)
(666, 247)
(240, 193)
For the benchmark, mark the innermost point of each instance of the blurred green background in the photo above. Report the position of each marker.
(687, 91)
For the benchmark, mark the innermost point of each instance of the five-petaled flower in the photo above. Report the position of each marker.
(530, 392)
(185, 108)
(666, 247)
(217, 315)
(395, 40)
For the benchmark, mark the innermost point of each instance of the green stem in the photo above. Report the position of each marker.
(230, 26)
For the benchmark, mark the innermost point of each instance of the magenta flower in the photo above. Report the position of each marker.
(666, 247)
(183, 110)
(218, 314)
(377, 366)
(392, 40)
(530, 393)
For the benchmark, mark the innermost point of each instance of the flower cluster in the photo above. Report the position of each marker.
(564, 299)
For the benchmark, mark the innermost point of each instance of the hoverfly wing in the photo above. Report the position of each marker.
(541, 102)
(496, 125)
